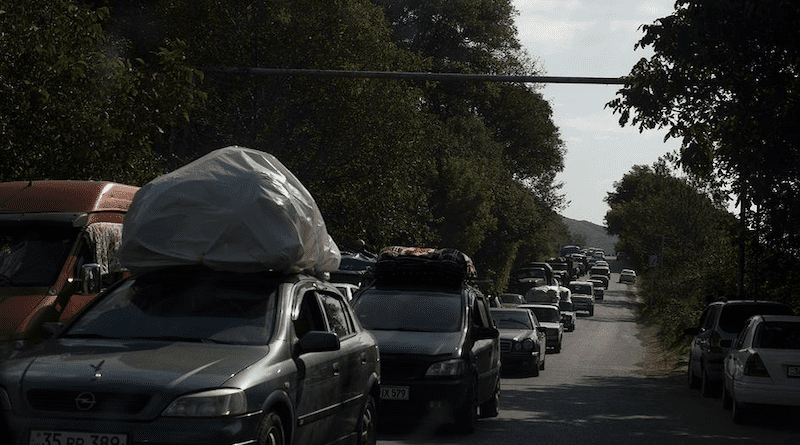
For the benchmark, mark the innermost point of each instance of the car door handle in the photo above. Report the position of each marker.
(363, 358)
(335, 367)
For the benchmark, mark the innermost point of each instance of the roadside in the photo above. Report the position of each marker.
(660, 362)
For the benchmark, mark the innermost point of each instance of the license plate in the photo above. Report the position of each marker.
(394, 392)
(793, 371)
(76, 438)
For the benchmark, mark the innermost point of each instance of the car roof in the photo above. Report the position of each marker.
(780, 318)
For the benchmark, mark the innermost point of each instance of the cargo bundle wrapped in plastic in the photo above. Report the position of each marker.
(423, 265)
(235, 209)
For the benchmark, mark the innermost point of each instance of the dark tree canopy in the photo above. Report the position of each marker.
(725, 79)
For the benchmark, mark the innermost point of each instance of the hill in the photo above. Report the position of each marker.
(595, 236)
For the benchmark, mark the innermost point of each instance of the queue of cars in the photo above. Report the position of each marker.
(747, 351)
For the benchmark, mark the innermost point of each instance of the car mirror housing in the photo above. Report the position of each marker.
(319, 341)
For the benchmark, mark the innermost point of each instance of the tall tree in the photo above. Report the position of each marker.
(73, 106)
(725, 78)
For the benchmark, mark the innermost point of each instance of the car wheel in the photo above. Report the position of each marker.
(557, 349)
(706, 386)
(591, 312)
(541, 365)
(367, 425)
(467, 415)
(739, 411)
(694, 382)
(727, 402)
(491, 407)
(535, 368)
(271, 431)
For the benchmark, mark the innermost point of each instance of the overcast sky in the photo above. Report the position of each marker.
(592, 38)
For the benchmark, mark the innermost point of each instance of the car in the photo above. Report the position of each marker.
(602, 279)
(627, 276)
(194, 355)
(440, 349)
(549, 317)
(510, 299)
(720, 322)
(567, 308)
(522, 341)
(583, 298)
(762, 366)
(601, 263)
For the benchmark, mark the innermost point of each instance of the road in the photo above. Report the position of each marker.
(596, 392)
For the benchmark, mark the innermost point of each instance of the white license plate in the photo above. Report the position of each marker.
(76, 438)
(793, 371)
(394, 392)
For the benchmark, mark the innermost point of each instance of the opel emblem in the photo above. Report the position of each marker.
(85, 401)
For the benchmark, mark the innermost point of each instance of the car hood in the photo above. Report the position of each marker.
(421, 343)
(178, 365)
(515, 334)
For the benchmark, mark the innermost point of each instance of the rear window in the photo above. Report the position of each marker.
(778, 335)
(404, 310)
(734, 316)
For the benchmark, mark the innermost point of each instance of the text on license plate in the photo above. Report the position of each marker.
(76, 438)
(793, 371)
(394, 392)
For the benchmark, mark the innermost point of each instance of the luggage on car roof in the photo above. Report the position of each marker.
(416, 265)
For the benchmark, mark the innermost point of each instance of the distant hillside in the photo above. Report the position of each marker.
(595, 235)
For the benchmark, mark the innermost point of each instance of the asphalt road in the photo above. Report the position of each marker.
(595, 392)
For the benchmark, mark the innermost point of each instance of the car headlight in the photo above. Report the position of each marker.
(215, 403)
(447, 368)
(527, 344)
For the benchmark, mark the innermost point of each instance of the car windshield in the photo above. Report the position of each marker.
(512, 320)
(577, 288)
(404, 310)
(777, 335)
(734, 316)
(32, 255)
(197, 307)
(546, 314)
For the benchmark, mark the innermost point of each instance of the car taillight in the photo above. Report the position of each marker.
(754, 367)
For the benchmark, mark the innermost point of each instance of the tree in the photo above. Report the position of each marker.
(73, 106)
(725, 78)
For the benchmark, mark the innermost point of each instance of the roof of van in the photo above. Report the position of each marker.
(65, 196)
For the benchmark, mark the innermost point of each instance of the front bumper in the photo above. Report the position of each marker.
(439, 399)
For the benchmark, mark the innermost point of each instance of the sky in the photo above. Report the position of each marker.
(592, 38)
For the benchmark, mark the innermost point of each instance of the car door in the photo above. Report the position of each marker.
(700, 344)
(354, 364)
(485, 352)
(318, 394)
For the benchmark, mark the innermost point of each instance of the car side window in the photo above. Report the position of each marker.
(309, 317)
(707, 319)
(480, 316)
(737, 344)
(338, 317)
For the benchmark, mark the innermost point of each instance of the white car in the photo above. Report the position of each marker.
(549, 317)
(627, 276)
(763, 365)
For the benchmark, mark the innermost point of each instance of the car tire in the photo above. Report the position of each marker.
(535, 368)
(366, 431)
(467, 415)
(491, 407)
(727, 402)
(557, 349)
(693, 380)
(739, 411)
(541, 365)
(706, 386)
(591, 312)
(271, 431)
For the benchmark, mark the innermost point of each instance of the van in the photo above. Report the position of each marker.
(439, 347)
(57, 249)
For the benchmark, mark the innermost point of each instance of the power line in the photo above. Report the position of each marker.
(414, 75)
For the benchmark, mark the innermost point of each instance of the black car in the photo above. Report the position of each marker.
(440, 353)
(192, 355)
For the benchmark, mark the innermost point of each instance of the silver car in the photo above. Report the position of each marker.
(196, 356)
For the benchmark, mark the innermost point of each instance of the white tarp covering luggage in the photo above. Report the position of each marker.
(235, 209)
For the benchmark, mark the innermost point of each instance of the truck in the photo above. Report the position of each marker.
(58, 240)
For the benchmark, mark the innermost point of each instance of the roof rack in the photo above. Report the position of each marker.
(422, 265)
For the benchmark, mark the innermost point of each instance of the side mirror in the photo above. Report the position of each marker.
(91, 278)
(319, 341)
(51, 329)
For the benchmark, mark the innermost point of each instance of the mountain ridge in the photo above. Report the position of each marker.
(594, 235)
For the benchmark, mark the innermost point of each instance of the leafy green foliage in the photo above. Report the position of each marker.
(73, 107)
(724, 79)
